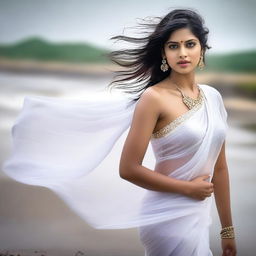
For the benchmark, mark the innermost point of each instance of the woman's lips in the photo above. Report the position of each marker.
(184, 64)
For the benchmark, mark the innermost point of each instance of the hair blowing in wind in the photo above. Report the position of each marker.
(141, 65)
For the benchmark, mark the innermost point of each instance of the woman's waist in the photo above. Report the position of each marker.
(166, 202)
(184, 170)
(168, 166)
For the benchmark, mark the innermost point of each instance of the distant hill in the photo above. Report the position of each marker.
(243, 61)
(39, 49)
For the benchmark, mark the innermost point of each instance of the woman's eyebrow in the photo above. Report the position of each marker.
(181, 41)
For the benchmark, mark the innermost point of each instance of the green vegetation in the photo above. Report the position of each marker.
(242, 62)
(42, 50)
(39, 49)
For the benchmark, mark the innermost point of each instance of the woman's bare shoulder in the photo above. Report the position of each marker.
(150, 98)
(158, 91)
(151, 92)
(149, 104)
(156, 97)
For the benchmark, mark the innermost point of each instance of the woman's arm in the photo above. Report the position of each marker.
(221, 189)
(146, 114)
(222, 198)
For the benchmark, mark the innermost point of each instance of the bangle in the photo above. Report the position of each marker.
(227, 232)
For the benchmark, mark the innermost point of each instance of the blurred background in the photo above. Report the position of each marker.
(55, 48)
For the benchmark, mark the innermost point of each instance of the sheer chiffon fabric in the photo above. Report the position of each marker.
(186, 152)
(73, 148)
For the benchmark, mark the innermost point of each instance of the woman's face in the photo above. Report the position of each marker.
(182, 45)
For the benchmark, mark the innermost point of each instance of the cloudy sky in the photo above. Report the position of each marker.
(231, 22)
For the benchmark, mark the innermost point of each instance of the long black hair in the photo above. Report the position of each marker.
(142, 64)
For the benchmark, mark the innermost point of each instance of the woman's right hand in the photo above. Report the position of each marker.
(199, 189)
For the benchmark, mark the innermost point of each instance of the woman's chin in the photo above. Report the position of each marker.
(184, 71)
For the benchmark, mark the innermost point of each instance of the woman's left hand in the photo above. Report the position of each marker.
(228, 247)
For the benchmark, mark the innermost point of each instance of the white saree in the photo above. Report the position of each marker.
(68, 146)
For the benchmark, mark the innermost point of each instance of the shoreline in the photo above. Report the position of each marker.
(49, 67)
(241, 109)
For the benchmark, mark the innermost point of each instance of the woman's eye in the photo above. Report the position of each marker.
(192, 44)
(173, 46)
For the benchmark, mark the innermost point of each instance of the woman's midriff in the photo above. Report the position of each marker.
(166, 167)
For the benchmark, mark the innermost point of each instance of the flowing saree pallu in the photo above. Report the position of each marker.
(73, 148)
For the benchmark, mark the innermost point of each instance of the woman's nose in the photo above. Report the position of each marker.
(182, 52)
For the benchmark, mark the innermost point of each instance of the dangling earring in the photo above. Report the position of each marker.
(201, 63)
(164, 66)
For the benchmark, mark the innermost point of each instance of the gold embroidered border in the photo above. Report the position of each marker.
(164, 131)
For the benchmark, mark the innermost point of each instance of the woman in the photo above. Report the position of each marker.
(179, 117)
(55, 145)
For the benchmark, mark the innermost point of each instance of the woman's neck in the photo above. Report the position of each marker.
(185, 82)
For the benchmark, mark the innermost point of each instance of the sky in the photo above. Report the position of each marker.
(231, 22)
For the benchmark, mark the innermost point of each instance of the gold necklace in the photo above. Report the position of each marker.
(188, 101)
